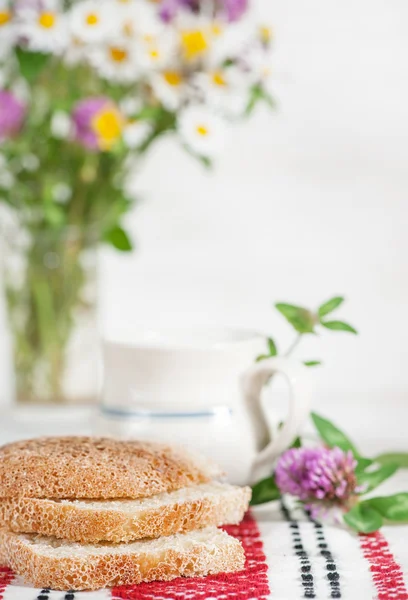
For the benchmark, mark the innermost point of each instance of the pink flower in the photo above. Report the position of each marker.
(98, 123)
(12, 113)
(317, 476)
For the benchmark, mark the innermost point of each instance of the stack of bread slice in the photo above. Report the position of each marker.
(85, 513)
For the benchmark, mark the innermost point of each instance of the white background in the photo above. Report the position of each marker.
(305, 203)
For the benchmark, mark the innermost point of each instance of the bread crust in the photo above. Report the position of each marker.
(220, 554)
(226, 505)
(91, 467)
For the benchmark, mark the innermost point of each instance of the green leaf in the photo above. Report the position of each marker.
(54, 214)
(265, 491)
(332, 435)
(150, 113)
(339, 326)
(363, 464)
(262, 357)
(205, 161)
(372, 479)
(258, 94)
(273, 351)
(330, 306)
(397, 458)
(363, 518)
(31, 63)
(312, 363)
(393, 508)
(300, 318)
(119, 239)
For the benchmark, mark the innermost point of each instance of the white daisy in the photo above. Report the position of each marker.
(156, 52)
(61, 193)
(225, 90)
(229, 41)
(61, 125)
(195, 38)
(46, 30)
(7, 29)
(116, 61)
(129, 17)
(135, 133)
(257, 63)
(169, 87)
(148, 25)
(92, 21)
(201, 131)
(131, 105)
(75, 52)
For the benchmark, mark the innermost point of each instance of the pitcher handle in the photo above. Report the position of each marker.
(300, 381)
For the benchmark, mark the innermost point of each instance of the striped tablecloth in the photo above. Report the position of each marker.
(289, 556)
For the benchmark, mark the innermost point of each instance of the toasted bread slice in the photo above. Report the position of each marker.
(92, 521)
(90, 467)
(55, 564)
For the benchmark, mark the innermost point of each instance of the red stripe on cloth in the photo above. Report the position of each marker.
(386, 572)
(252, 582)
(6, 577)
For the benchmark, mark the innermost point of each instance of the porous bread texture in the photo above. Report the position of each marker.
(91, 467)
(125, 520)
(55, 564)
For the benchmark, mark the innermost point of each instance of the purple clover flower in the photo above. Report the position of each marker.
(12, 113)
(325, 476)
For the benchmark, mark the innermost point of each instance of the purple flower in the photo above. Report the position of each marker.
(12, 113)
(170, 8)
(98, 123)
(320, 475)
(235, 8)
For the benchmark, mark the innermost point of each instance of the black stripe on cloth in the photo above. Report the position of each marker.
(306, 574)
(333, 576)
(45, 595)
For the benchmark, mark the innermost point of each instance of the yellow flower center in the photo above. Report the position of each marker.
(128, 29)
(108, 125)
(218, 79)
(5, 17)
(154, 53)
(172, 78)
(118, 54)
(47, 20)
(194, 43)
(149, 39)
(202, 130)
(216, 29)
(92, 19)
(265, 33)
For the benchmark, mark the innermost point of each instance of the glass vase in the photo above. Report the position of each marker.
(50, 284)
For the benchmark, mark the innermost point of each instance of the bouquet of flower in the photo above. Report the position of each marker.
(86, 87)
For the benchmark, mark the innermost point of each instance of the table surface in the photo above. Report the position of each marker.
(288, 555)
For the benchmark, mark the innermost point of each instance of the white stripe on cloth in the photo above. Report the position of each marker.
(354, 570)
(284, 567)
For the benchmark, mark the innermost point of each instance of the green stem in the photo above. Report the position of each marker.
(293, 345)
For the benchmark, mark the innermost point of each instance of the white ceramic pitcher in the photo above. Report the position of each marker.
(202, 389)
